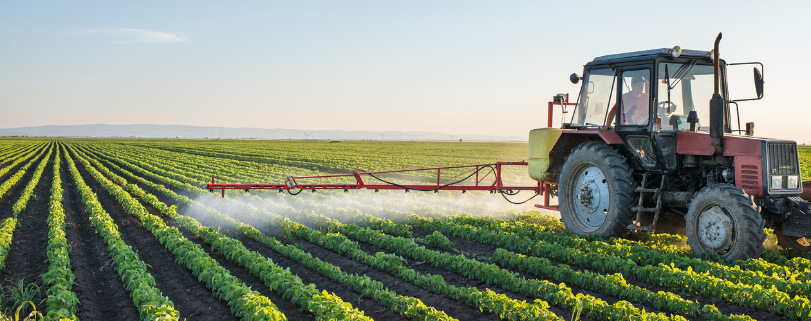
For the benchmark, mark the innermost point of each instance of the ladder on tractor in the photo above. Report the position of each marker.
(640, 209)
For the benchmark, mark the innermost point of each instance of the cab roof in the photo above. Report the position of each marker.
(653, 53)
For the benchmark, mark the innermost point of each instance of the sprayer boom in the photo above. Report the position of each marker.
(471, 178)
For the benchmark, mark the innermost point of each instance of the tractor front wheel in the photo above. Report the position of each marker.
(594, 189)
(725, 220)
(799, 244)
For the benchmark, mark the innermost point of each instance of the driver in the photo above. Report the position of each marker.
(634, 104)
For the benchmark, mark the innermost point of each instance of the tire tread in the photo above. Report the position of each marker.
(620, 174)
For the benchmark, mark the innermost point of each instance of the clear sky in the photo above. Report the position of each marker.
(459, 67)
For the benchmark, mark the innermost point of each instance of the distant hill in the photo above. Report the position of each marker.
(182, 131)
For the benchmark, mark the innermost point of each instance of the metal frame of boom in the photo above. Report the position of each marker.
(478, 172)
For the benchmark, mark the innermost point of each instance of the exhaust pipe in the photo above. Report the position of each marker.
(717, 104)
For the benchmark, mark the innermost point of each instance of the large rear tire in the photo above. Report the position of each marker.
(725, 220)
(792, 242)
(594, 190)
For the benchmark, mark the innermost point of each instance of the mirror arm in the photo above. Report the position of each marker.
(762, 74)
(737, 111)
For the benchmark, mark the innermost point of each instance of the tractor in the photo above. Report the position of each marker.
(642, 151)
(651, 141)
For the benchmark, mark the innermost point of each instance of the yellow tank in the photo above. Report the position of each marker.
(541, 141)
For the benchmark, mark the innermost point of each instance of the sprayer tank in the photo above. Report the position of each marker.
(541, 141)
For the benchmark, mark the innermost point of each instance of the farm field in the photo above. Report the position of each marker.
(125, 229)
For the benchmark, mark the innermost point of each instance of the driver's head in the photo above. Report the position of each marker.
(638, 84)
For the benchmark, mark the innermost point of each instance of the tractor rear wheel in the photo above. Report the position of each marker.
(725, 220)
(594, 190)
(792, 242)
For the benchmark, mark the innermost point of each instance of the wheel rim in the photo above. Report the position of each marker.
(591, 199)
(716, 229)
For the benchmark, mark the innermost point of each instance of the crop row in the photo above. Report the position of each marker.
(8, 225)
(326, 306)
(244, 302)
(409, 306)
(12, 154)
(11, 181)
(374, 156)
(152, 305)
(487, 300)
(641, 255)
(767, 299)
(758, 271)
(58, 281)
(174, 176)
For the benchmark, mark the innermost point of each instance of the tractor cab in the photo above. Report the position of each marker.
(651, 145)
(646, 91)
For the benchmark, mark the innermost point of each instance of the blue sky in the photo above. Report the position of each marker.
(459, 67)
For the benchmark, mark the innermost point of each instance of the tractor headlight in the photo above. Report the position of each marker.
(793, 182)
(777, 182)
(675, 52)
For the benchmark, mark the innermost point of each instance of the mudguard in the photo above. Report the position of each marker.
(567, 140)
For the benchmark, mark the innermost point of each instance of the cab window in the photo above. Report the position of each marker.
(635, 97)
(595, 98)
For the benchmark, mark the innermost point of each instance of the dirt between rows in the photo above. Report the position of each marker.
(286, 306)
(291, 310)
(100, 292)
(438, 301)
(459, 311)
(190, 297)
(27, 256)
(13, 194)
(486, 251)
(456, 279)
(369, 306)
(14, 169)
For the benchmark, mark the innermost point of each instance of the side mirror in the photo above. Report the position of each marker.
(758, 83)
(738, 86)
(574, 78)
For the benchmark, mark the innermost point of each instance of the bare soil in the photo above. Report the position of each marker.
(190, 297)
(101, 293)
(13, 194)
(453, 308)
(27, 256)
(286, 306)
(370, 307)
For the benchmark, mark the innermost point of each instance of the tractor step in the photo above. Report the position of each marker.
(640, 208)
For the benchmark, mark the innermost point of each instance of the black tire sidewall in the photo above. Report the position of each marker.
(620, 187)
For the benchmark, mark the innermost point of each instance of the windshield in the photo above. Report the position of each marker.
(596, 98)
(683, 88)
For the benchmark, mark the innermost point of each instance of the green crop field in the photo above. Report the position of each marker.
(127, 227)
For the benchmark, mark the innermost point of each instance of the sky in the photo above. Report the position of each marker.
(457, 67)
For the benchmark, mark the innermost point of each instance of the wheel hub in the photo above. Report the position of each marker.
(715, 228)
(591, 190)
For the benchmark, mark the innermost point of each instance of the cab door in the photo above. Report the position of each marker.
(635, 115)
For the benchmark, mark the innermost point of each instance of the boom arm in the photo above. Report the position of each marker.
(478, 173)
